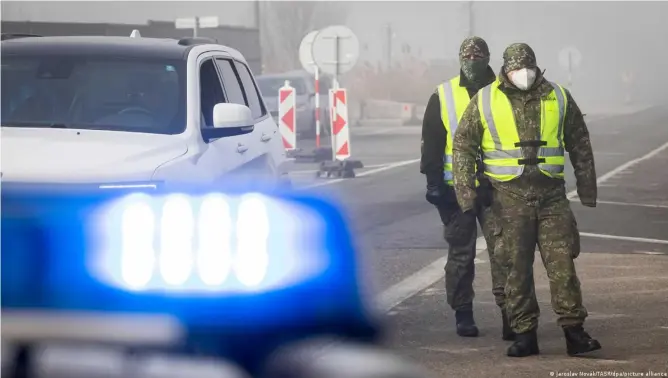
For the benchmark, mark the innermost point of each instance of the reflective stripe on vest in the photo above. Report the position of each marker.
(454, 99)
(501, 154)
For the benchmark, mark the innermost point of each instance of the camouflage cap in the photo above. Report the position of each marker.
(474, 46)
(517, 56)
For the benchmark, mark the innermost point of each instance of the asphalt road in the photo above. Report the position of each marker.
(623, 266)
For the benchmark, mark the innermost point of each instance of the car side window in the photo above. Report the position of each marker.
(231, 82)
(254, 101)
(211, 92)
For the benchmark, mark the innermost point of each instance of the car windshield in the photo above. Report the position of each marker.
(270, 86)
(88, 92)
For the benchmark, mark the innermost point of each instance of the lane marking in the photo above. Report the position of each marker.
(626, 238)
(420, 280)
(623, 167)
(629, 204)
(649, 253)
(433, 272)
(363, 174)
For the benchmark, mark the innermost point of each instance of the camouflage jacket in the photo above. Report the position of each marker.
(532, 185)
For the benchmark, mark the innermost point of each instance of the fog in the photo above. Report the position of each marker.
(622, 45)
(408, 47)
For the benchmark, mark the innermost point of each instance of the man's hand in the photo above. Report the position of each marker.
(461, 229)
(484, 193)
(440, 195)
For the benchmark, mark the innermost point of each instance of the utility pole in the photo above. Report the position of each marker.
(196, 27)
(196, 23)
(469, 11)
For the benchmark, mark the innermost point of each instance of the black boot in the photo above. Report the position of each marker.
(465, 324)
(526, 344)
(508, 333)
(578, 341)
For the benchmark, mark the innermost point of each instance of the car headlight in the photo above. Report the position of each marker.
(207, 259)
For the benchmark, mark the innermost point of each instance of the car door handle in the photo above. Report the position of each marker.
(241, 148)
(266, 137)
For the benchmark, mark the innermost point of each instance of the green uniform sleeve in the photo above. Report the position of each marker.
(578, 145)
(466, 146)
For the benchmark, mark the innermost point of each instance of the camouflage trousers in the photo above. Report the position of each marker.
(460, 265)
(549, 224)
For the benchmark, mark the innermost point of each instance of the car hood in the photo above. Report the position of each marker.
(84, 156)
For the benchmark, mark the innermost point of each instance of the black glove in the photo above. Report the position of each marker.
(461, 229)
(484, 193)
(440, 195)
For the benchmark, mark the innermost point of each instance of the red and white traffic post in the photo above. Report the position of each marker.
(341, 164)
(317, 106)
(340, 129)
(287, 116)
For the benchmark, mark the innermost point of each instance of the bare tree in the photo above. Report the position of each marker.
(285, 23)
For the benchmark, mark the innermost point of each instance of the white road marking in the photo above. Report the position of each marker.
(420, 280)
(626, 238)
(650, 253)
(433, 272)
(606, 153)
(629, 204)
(366, 173)
(623, 167)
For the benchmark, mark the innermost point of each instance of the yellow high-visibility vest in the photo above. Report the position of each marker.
(454, 100)
(501, 146)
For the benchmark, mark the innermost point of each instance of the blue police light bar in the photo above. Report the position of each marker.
(204, 260)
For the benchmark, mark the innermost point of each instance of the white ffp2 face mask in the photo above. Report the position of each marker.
(523, 79)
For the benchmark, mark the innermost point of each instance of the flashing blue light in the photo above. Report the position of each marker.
(208, 259)
(197, 244)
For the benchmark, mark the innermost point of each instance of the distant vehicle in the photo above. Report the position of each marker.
(131, 112)
(304, 84)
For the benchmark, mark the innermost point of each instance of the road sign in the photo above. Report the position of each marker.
(570, 58)
(287, 116)
(335, 50)
(306, 52)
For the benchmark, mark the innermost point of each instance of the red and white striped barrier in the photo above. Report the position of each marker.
(339, 123)
(287, 116)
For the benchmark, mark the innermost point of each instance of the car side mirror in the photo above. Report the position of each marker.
(226, 115)
(229, 120)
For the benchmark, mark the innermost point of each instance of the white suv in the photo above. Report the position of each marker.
(131, 112)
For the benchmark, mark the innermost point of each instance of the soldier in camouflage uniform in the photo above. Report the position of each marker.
(531, 205)
(438, 130)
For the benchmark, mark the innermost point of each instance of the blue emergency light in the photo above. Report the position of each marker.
(210, 260)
